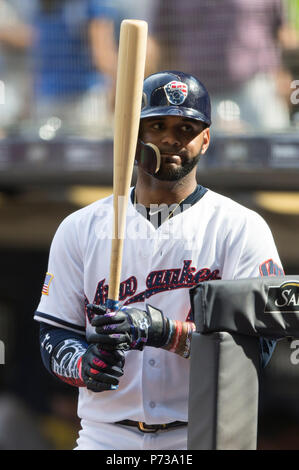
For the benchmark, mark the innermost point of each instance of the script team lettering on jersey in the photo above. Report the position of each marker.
(156, 282)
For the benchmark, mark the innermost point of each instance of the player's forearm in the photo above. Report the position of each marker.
(61, 351)
(71, 359)
(66, 361)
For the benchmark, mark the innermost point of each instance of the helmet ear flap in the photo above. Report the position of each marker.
(148, 157)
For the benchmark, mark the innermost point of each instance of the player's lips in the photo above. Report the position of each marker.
(171, 158)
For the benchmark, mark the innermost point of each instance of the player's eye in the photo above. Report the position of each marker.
(157, 126)
(187, 128)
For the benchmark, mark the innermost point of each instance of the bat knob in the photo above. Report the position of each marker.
(148, 157)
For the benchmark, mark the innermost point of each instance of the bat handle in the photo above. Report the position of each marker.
(111, 305)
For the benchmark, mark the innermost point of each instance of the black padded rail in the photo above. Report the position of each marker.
(267, 306)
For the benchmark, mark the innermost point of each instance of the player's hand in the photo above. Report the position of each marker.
(129, 328)
(100, 370)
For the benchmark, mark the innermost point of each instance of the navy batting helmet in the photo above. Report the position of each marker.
(173, 93)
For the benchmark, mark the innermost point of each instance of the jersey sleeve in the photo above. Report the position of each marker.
(62, 297)
(252, 251)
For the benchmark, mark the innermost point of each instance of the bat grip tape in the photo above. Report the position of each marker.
(112, 305)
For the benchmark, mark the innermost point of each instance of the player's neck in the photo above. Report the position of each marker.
(150, 190)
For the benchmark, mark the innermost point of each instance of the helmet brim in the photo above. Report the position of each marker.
(173, 111)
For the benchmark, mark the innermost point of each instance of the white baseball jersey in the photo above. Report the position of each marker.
(216, 238)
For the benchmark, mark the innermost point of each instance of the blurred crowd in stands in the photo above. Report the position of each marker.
(58, 61)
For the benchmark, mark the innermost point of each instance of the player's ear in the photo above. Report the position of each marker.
(206, 140)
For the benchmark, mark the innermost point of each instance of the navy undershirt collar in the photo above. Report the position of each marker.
(190, 200)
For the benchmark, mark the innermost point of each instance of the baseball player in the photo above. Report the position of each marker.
(131, 366)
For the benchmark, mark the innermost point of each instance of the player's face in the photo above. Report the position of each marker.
(180, 140)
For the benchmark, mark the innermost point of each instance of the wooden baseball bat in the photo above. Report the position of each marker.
(129, 85)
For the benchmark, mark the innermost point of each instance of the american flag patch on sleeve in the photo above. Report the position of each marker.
(47, 282)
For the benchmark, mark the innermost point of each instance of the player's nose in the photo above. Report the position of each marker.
(170, 137)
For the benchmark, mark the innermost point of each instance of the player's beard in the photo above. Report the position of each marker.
(175, 174)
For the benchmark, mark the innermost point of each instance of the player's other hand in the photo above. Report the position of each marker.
(129, 328)
(100, 370)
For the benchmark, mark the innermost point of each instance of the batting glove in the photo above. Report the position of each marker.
(129, 328)
(99, 369)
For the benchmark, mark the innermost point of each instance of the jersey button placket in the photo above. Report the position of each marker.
(151, 382)
(151, 356)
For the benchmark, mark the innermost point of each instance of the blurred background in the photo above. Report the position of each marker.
(58, 62)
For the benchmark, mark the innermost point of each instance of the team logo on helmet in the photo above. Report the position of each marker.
(176, 92)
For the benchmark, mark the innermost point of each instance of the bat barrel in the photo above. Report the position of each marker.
(129, 85)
